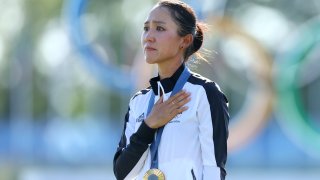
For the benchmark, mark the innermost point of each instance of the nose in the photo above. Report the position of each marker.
(148, 36)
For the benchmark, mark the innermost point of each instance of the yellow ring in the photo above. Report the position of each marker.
(258, 104)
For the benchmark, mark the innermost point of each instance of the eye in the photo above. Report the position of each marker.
(145, 28)
(159, 28)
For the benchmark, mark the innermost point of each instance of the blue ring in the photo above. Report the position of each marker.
(110, 75)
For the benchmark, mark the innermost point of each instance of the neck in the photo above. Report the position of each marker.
(167, 70)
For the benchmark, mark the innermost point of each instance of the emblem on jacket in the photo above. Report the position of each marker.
(140, 118)
(176, 119)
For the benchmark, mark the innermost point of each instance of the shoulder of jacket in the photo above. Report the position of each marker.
(208, 85)
(141, 92)
(198, 79)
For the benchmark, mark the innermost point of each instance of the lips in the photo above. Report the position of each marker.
(149, 48)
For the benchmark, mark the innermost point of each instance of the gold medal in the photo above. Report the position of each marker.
(154, 174)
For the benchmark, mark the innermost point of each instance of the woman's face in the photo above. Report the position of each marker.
(160, 40)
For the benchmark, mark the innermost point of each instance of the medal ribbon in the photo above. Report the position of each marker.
(155, 144)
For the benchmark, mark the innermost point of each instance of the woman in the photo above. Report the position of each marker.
(183, 135)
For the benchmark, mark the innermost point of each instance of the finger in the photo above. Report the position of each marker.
(178, 94)
(180, 100)
(183, 102)
(173, 99)
(177, 111)
(182, 97)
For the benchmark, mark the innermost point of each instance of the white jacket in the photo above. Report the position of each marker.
(193, 144)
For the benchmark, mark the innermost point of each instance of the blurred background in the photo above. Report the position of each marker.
(69, 67)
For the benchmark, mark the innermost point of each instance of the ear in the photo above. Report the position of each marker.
(187, 40)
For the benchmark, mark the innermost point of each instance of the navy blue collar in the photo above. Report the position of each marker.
(167, 83)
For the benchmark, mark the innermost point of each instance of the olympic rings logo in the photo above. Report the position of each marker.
(269, 91)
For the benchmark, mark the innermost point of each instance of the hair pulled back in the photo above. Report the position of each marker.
(185, 18)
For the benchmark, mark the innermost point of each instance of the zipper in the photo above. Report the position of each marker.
(193, 176)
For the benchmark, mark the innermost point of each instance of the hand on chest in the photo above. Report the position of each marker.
(180, 121)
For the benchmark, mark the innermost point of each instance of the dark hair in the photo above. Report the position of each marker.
(186, 20)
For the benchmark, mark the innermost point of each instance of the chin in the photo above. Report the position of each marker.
(151, 61)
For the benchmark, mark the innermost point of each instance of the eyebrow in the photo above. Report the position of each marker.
(156, 22)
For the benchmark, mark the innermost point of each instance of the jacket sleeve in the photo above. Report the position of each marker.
(213, 126)
(132, 149)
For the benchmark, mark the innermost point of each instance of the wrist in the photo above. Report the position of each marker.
(150, 123)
